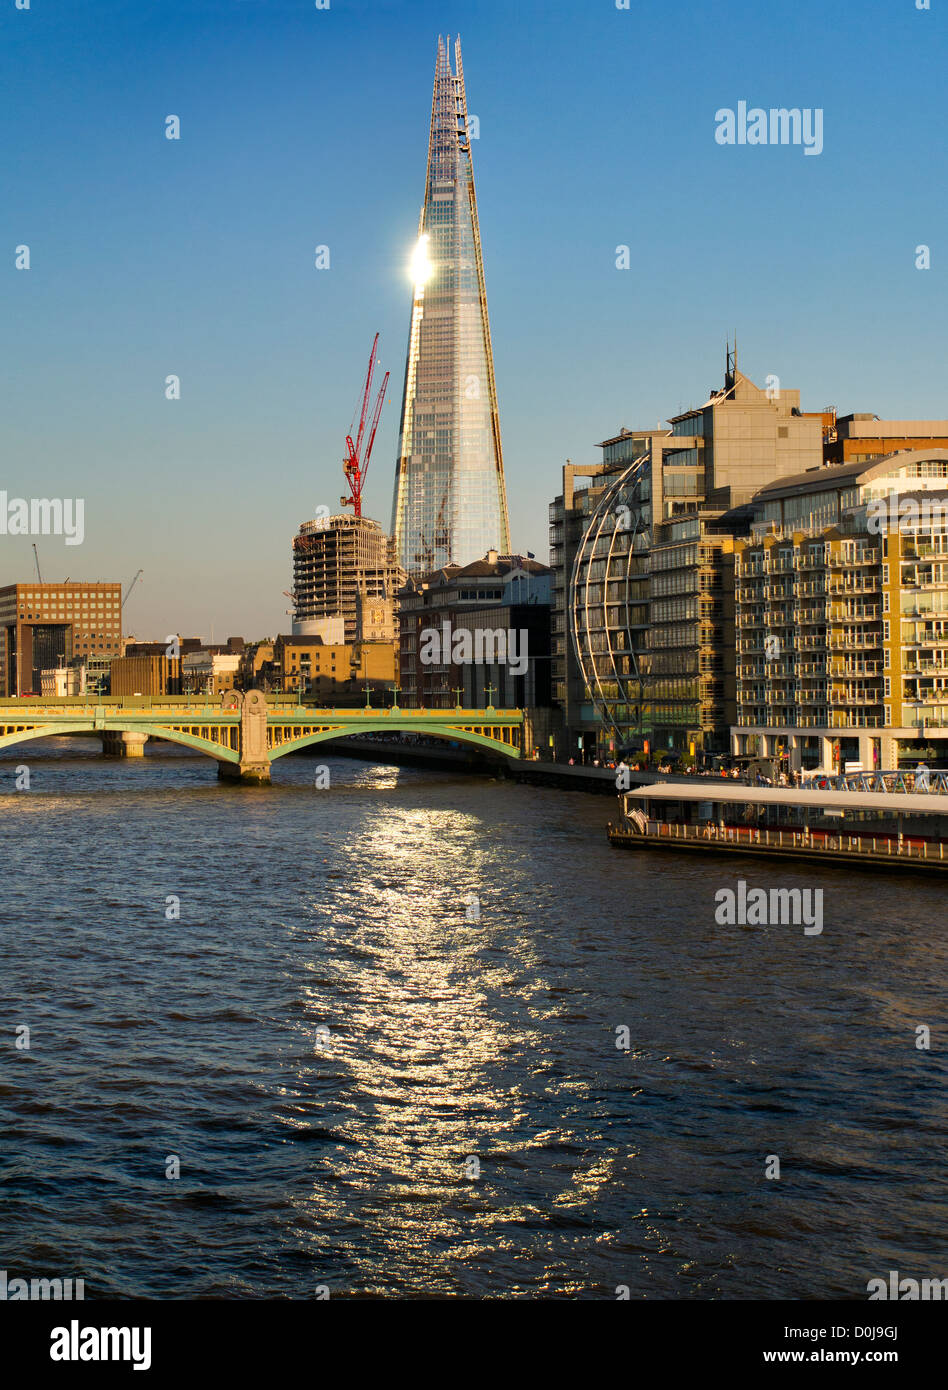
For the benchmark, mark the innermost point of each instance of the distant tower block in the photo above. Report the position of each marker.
(450, 499)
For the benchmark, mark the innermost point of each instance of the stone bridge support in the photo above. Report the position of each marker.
(254, 766)
(119, 744)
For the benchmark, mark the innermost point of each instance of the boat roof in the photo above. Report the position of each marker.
(921, 803)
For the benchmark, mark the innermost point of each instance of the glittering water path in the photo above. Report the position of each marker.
(368, 1090)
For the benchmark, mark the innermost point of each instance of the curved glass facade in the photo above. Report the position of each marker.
(609, 603)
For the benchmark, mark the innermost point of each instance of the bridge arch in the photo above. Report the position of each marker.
(388, 726)
(44, 731)
(120, 726)
(201, 745)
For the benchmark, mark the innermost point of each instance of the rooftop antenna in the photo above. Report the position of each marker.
(730, 369)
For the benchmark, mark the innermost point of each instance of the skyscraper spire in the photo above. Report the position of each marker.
(450, 498)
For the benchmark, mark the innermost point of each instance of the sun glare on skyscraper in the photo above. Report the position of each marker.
(450, 501)
(421, 266)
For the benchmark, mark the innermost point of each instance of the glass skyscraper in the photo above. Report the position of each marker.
(450, 499)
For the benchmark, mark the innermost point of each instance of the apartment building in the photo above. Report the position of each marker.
(841, 616)
(640, 649)
(691, 685)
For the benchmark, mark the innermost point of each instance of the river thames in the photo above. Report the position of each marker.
(380, 1039)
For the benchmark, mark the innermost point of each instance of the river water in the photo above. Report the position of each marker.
(380, 1039)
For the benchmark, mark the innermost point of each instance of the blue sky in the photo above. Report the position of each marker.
(302, 127)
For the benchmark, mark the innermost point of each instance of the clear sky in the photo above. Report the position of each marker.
(302, 126)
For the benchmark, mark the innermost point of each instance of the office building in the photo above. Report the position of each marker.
(146, 675)
(451, 623)
(450, 502)
(45, 626)
(333, 674)
(862, 438)
(208, 671)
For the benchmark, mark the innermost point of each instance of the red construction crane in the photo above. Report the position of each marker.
(354, 465)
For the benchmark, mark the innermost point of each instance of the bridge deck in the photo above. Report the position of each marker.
(222, 731)
(20, 711)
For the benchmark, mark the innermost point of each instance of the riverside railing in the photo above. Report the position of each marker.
(879, 846)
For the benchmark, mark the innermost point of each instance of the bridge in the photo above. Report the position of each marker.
(245, 732)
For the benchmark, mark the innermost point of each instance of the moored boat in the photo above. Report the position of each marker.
(888, 830)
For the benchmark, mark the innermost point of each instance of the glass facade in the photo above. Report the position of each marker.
(450, 502)
(609, 600)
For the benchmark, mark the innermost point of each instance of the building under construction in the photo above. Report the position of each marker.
(343, 567)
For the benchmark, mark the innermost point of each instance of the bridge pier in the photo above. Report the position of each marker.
(248, 774)
(253, 770)
(123, 744)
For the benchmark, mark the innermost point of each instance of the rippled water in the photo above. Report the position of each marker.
(344, 1158)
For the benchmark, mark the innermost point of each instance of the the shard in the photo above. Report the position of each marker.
(450, 500)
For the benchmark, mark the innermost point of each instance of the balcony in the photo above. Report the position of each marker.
(920, 551)
(938, 639)
(856, 670)
(839, 589)
(927, 697)
(862, 641)
(849, 614)
(855, 699)
(924, 668)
